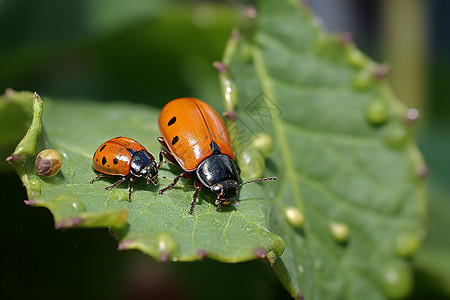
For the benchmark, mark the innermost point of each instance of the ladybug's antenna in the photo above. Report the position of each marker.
(259, 179)
(155, 179)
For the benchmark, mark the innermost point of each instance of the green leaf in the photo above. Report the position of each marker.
(158, 225)
(350, 200)
(15, 117)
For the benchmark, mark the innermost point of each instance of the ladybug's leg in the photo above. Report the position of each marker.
(163, 143)
(132, 178)
(198, 187)
(169, 156)
(166, 153)
(99, 176)
(184, 175)
(160, 160)
(117, 182)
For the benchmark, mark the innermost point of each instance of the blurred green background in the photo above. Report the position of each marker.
(153, 51)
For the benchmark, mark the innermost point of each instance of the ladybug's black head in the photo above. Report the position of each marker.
(143, 164)
(226, 191)
(151, 172)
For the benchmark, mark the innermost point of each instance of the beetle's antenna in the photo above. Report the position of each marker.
(154, 180)
(259, 179)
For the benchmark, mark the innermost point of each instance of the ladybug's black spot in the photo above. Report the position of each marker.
(116, 160)
(173, 120)
(103, 147)
(103, 160)
(174, 140)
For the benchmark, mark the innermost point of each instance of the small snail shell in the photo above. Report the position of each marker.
(48, 162)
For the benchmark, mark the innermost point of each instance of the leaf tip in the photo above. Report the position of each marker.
(345, 38)
(305, 5)
(230, 115)
(201, 254)
(69, 222)
(299, 296)
(221, 67)
(411, 116)
(166, 244)
(260, 253)
(125, 244)
(31, 202)
(164, 256)
(36, 96)
(422, 171)
(13, 158)
(381, 71)
(251, 12)
(9, 93)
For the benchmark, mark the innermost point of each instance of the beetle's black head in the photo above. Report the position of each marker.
(151, 172)
(143, 164)
(226, 191)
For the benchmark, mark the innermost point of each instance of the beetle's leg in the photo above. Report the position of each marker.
(99, 176)
(132, 178)
(184, 175)
(166, 153)
(175, 180)
(198, 187)
(163, 143)
(117, 182)
(170, 157)
(160, 160)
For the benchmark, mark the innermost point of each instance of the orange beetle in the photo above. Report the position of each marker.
(122, 156)
(196, 139)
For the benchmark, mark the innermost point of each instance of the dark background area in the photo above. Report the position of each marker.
(151, 52)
